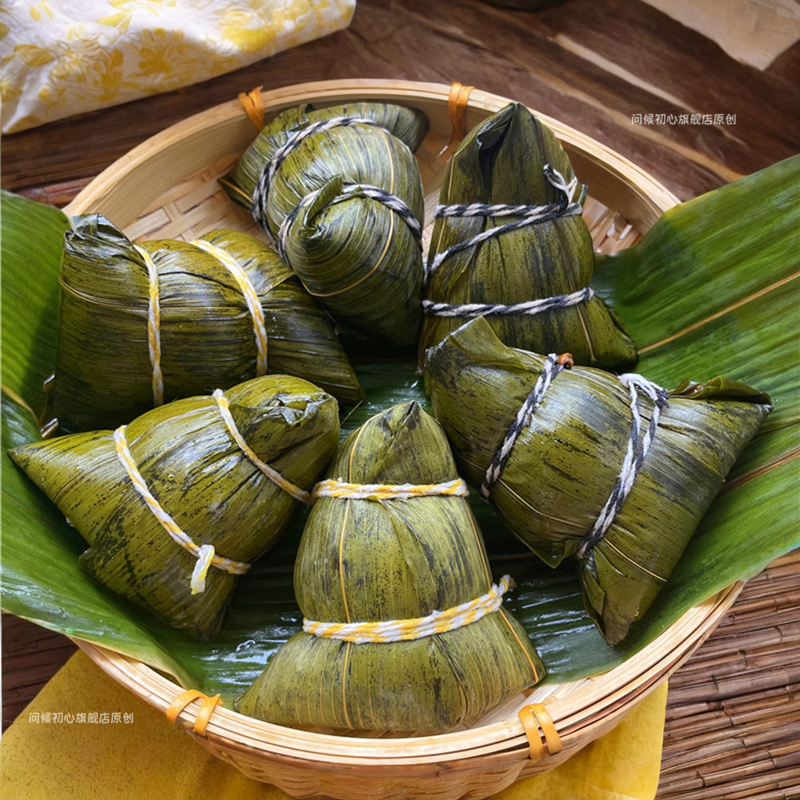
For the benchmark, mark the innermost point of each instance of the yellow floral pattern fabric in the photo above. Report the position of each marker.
(63, 57)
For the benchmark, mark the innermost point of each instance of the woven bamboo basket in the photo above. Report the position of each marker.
(167, 188)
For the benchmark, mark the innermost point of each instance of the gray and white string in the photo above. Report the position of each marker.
(530, 214)
(261, 191)
(638, 445)
(550, 370)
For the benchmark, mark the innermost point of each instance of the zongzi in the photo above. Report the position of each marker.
(143, 324)
(404, 629)
(509, 243)
(339, 191)
(579, 462)
(178, 503)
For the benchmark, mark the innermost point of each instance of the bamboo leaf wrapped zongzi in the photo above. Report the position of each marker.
(612, 470)
(143, 324)
(339, 191)
(389, 555)
(178, 503)
(509, 243)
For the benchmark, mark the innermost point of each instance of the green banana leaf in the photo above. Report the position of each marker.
(749, 335)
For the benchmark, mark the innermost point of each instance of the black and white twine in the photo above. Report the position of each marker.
(529, 308)
(392, 202)
(550, 369)
(638, 445)
(530, 214)
(261, 192)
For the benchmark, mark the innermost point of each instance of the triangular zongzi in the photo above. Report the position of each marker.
(509, 243)
(579, 462)
(181, 500)
(390, 542)
(339, 191)
(144, 324)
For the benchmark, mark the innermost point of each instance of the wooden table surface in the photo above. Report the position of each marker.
(733, 718)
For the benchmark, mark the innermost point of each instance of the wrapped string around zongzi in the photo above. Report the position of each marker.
(339, 191)
(390, 542)
(178, 503)
(509, 243)
(612, 470)
(144, 324)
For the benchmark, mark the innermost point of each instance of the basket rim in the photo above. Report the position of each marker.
(612, 694)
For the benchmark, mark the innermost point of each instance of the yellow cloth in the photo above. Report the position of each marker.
(147, 758)
(63, 57)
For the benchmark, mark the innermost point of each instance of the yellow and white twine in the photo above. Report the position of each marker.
(272, 474)
(205, 554)
(250, 295)
(153, 326)
(388, 491)
(401, 630)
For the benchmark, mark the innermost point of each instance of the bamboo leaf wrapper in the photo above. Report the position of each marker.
(201, 476)
(357, 254)
(507, 164)
(565, 463)
(208, 334)
(369, 560)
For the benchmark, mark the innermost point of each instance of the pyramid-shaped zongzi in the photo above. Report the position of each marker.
(509, 243)
(579, 462)
(178, 503)
(404, 628)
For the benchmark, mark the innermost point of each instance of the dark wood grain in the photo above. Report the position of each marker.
(733, 719)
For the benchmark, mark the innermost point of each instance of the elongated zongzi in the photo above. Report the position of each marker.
(509, 243)
(144, 324)
(612, 470)
(340, 193)
(177, 503)
(392, 551)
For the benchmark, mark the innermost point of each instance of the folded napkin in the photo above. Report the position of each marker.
(85, 736)
(62, 58)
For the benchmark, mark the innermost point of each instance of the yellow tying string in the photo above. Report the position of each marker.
(153, 327)
(272, 474)
(203, 715)
(401, 630)
(250, 297)
(204, 554)
(388, 491)
(253, 104)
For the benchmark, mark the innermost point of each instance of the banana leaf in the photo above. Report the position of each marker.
(202, 477)
(502, 161)
(370, 560)
(357, 256)
(564, 466)
(739, 326)
(209, 336)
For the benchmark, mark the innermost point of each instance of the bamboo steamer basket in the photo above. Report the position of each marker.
(167, 188)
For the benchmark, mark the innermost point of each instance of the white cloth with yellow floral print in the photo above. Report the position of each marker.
(63, 57)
